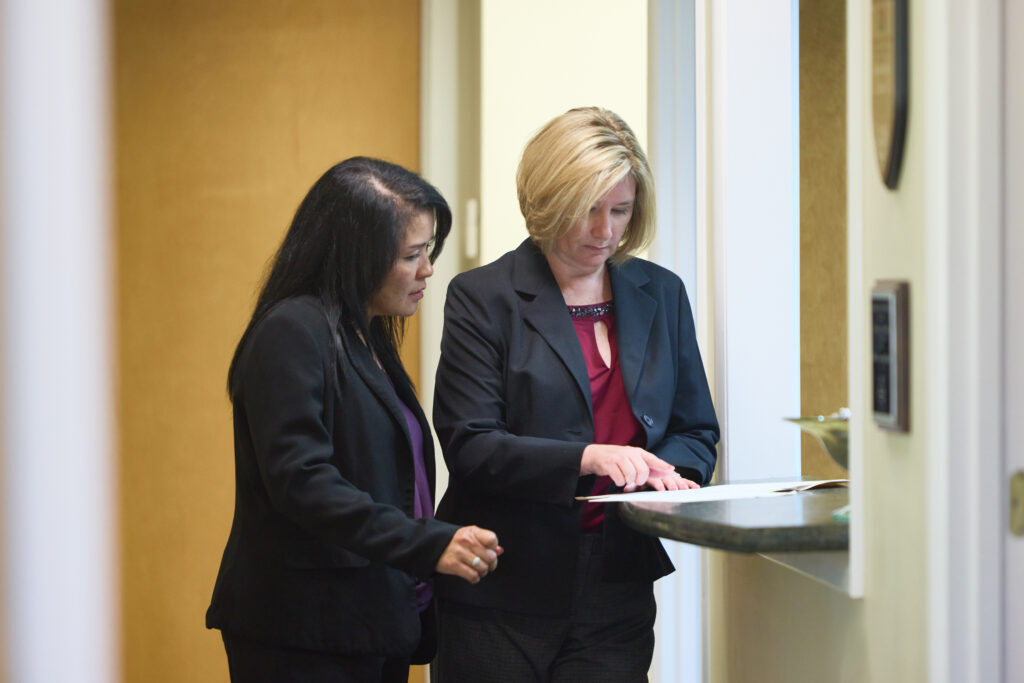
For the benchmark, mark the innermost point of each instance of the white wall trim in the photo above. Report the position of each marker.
(964, 182)
(755, 236)
(679, 653)
(705, 258)
(59, 499)
(855, 306)
(1013, 323)
(439, 102)
(704, 312)
(671, 112)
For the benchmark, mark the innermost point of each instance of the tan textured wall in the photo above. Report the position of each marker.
(226, 112)
(823, 373)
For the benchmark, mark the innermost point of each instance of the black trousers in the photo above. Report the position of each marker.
(252, 662)
(608, 635)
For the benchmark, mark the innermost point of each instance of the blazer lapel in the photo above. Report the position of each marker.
(409, 398)
(360, 358)
(634, 315)
(543, 308)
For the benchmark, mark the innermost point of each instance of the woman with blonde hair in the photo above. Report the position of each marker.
(569, 367)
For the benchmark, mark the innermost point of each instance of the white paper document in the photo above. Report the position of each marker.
(719, 492)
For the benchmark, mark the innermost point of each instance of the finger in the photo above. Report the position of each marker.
(473, 546)
(657, 484)
(643, 472)
(628, 472)
(665, 473)
(671, 483)
(485, 537)
(617, 476)
(656, 463)
(466, 549)
(487, 555)
(483, 557)
(494, 563)
(689, 484)
(478, 568)
(463, 570)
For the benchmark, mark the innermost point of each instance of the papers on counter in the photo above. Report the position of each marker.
(719, 492)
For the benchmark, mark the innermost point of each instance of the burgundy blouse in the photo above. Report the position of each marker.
(614, 422)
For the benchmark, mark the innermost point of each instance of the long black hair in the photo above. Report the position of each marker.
(343, 242)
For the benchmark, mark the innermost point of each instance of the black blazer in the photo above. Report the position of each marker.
(323, 551)
(513, 411)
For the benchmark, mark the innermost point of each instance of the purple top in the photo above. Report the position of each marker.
(423, 506)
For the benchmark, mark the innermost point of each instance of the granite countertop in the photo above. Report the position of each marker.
(798, 522)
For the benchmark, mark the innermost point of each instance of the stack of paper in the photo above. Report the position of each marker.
(719, 492)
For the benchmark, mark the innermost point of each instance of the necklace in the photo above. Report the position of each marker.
(592, 311)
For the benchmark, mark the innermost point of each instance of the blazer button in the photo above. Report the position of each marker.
(648, 420)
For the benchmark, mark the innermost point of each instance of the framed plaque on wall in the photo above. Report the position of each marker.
(889, 76)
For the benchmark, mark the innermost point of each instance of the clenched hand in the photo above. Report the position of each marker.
(472, 554)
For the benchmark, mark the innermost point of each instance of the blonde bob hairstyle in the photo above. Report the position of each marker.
(571, 163)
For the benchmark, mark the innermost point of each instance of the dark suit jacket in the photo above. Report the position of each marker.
(323, 551)
(513, 412)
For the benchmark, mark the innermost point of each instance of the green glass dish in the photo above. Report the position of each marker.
(831, 431)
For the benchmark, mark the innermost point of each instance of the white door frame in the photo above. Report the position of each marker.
(753, 205)
(963, 182)
(1013, 330)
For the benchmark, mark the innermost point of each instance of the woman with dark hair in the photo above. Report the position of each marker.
(326, 573)
(568, 367)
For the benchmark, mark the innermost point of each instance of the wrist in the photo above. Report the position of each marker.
(586, 466)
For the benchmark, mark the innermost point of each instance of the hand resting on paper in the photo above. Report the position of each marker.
(671, 482)
(632, 468)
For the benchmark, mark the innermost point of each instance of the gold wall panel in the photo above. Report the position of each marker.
(226, 112)
(823, 368)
